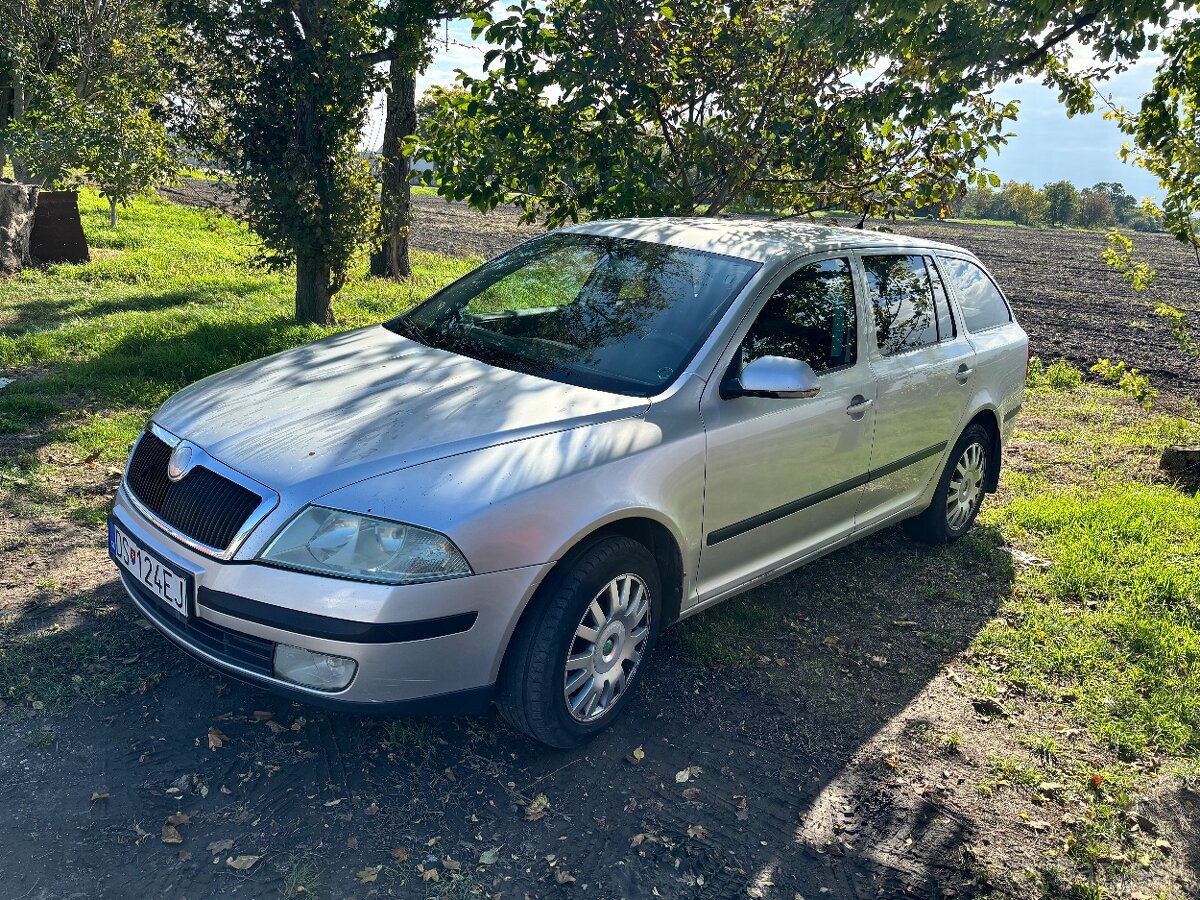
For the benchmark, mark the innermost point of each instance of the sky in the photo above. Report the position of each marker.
(1046, 146)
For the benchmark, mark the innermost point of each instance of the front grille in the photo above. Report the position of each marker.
(254, 654)
(205, 506)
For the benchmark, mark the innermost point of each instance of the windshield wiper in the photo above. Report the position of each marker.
(410, 330)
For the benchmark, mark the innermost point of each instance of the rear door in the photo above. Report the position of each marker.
(784, 476)
(923, 365)
(1001, 346)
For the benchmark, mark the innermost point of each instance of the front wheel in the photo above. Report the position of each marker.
(960, 491)
(578, 654)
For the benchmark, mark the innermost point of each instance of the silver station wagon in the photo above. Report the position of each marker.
(505, 494)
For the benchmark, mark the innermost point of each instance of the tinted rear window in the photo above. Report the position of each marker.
(981, 302)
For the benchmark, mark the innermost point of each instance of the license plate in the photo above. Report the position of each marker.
(169, 584)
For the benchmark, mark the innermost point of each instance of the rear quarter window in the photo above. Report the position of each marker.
(980, 300)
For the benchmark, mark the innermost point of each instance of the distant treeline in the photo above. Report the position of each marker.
(1102, 205)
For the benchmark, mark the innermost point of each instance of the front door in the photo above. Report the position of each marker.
(785, 476)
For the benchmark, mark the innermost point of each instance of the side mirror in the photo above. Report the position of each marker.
(776, 377)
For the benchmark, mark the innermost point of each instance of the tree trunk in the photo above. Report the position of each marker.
(313, 294)
(112, 213)
(5, 107)
(20, 170)
(395, 202)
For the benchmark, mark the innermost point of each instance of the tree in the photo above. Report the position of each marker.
(1022, 203)
(1123, 204)
(276, 94)
(1062, 203)
(619, 107)
(1165, 131)
(93, 98)
(1096, 209)
(409, 24)
(976, 202)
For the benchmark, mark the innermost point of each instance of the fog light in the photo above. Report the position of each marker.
(312, 669)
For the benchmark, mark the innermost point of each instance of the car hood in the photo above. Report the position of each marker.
(365, 402)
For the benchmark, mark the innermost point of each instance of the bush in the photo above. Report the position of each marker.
(1128, 380)
(1062, 376)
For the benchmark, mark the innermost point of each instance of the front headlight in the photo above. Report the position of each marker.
(350, 545)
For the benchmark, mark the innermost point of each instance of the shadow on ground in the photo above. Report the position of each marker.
(780, 798)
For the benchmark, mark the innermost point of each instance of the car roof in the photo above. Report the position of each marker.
(754, 238)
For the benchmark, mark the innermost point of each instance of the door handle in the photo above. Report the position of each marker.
(858, 406)
(963, 373)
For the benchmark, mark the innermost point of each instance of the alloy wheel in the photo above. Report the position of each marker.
(607, 647)
(965, 491)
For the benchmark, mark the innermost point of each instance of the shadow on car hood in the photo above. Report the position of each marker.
(369, 401)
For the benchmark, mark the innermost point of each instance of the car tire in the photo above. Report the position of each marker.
(960, 490)
(537, 691)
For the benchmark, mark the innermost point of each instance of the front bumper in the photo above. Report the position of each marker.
(422, 648)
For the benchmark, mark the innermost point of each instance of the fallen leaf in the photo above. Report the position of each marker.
(1164, 845)
(989, 706)
(371, 810)
(276, 728)
(699, 832)
(489, 857)
(171, 835)
(185, 855)
(536, 808)
(743, 807)
(638, 753)
(691, 793)
(1097, 779)
(142, 833)
(225, 790)
(638, 839)
(1038, 825)
(220, 846)
(179, 819)
(451, 865)
(562, 876)
(352, 843)
(216, 739)
(367, 875)
(450, 774)
(299, 723)
(831, 641)
(400, 855)
(242, 863)
(261, 715)
(684, 774)
(333, 802)
(99, 795)
(429, 874)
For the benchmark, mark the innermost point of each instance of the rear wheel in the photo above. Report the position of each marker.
(578, 654)
(960, 490)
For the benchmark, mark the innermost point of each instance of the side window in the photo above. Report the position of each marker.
(902, 298)
(980, 300)
(945, 320)
(810, 317)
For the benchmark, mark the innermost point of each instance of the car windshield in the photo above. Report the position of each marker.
(617, 315)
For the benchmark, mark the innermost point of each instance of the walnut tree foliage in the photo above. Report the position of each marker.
(616, 107)
(1166, 131)
(619, 107)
